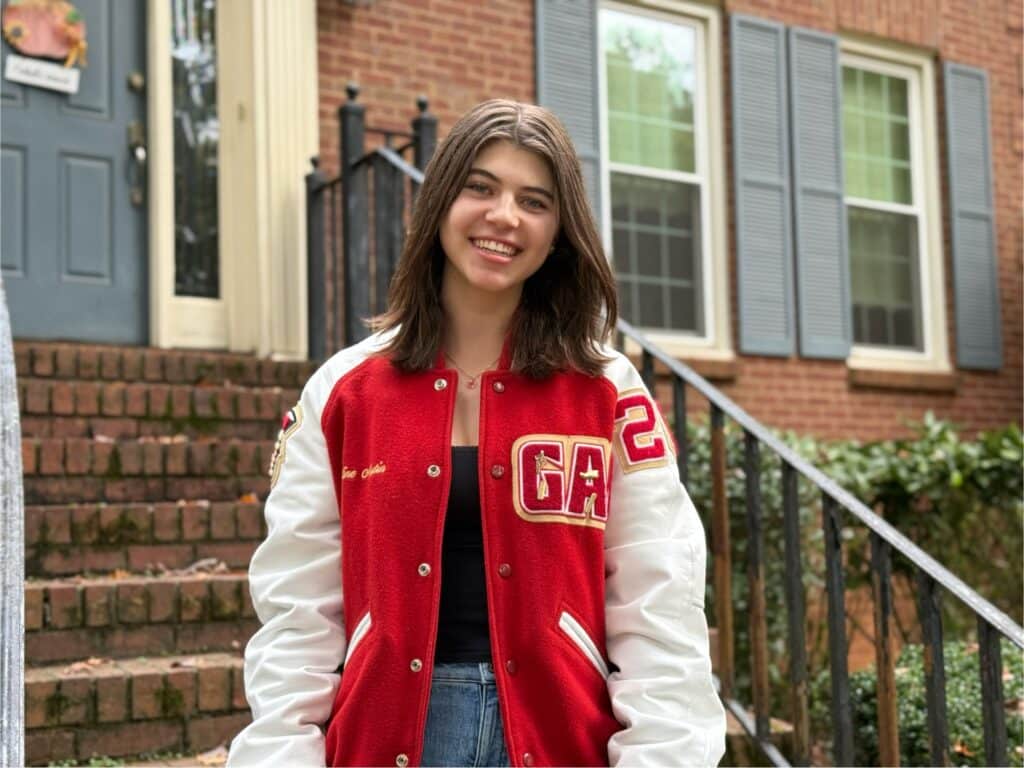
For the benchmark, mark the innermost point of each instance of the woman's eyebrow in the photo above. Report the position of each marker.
(538, 190)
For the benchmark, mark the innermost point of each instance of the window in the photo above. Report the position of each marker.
(893, 210)
(883, 213)
(656, 161)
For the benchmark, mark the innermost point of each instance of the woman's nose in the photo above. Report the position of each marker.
(503, 211)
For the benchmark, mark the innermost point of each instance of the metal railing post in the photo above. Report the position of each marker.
(355, 217)
(842, 713)
(721, 554)
(316, 263)
(885, 658)
(755, 586)
(930, 613)
(795, 617)
(424, 131)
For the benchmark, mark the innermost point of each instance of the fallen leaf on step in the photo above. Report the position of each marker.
(248, 498)
(961, 749)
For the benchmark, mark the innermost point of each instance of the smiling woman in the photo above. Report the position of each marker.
(479, 550)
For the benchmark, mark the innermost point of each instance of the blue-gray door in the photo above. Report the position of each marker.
(73, 239)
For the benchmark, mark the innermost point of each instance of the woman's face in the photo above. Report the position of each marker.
(501, 226)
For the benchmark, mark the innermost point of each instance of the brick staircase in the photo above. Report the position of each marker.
(145, 472)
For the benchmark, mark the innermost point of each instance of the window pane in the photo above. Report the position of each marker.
(652, 306)
(626, 299)
(196, 140)
(650, 74)
(656, 232)
(876, 136)
(885, 287)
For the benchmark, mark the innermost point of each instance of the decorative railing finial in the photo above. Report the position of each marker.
(352, 89)
(421, 102)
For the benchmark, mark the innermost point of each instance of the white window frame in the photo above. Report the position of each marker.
(709, 175)
(917, 69)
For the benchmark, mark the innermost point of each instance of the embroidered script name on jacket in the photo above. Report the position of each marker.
(593, 552)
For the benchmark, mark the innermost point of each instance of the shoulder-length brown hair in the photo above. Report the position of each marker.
(568, 306)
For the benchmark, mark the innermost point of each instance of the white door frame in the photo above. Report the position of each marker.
(267, 102)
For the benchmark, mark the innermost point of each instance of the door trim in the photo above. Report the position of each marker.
(268, 103)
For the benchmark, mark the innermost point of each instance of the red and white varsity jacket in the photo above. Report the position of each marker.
(594, 558)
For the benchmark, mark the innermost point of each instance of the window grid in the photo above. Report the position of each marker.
(884, 247)
(630, 280)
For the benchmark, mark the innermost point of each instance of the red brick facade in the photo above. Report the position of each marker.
(460, 53)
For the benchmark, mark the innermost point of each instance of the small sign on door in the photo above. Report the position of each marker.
(42, 74)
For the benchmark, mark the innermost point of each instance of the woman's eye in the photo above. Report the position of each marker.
(534, 204)
(477, 187)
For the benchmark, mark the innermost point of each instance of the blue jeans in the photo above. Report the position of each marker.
(464, 718)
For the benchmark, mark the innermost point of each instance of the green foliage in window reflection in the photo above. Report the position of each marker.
(876, 136)
(650, 74)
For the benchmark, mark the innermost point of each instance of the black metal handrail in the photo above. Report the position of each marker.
(932, 579)
(355, 242)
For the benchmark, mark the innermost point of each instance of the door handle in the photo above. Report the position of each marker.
(137, 163)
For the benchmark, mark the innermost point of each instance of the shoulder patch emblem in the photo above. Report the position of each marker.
(289, 425)
(641, 438)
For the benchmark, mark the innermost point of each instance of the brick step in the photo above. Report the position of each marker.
(77, 539)
(133, 615)
(63, 408)
(67, 490)
(68, 470)
(128, 707)
(61, 360)
(104, 457)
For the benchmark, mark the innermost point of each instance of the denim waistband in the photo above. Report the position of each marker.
(478, 672)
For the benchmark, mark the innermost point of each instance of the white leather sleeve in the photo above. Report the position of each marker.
(657, 634)
(295, 579)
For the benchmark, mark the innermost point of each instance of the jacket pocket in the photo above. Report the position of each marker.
(579, 637)
(357, 636)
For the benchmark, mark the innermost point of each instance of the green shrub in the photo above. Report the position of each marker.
(963, 707)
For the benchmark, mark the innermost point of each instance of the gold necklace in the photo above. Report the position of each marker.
(471, 383)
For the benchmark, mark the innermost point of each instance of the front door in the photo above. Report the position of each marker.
(73, 246)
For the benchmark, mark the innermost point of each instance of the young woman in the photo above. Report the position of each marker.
(479, 550)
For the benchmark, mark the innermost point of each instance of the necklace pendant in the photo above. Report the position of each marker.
(471, 384)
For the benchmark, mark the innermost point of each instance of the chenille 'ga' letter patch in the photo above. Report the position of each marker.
(641, 439)
(289, 425)
(561, 479)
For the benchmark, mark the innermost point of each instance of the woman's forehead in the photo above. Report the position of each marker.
(513, 164)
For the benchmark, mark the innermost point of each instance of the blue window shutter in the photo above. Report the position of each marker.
(975, 273)
(819, 214)
(567, 84)
(764, 240)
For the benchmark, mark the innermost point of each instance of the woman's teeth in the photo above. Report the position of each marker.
(495, 246)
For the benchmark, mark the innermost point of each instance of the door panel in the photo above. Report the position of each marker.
(74, 263)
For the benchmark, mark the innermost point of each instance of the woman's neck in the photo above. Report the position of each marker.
(476, 324)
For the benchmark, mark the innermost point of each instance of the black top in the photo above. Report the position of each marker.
(463, 633)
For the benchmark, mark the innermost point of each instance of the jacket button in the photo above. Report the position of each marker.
(497, 471)
(499, 387)
(402, 760)
(504, 570)
(415, 665)
(511, 667)
(424, 569)
(433, 470)
(527, 759)
(440, 384)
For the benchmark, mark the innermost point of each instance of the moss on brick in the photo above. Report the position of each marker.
(114, 468)
(171, 700)
(56, 705)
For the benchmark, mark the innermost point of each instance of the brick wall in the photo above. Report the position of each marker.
(461, 53)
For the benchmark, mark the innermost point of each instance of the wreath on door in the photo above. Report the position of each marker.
(49, 29)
